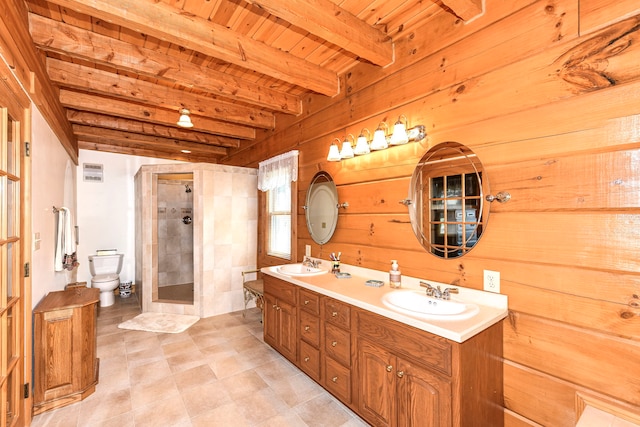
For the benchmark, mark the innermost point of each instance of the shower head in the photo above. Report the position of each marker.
(187, 189)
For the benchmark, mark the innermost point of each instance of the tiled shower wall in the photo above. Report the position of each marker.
(175, 238)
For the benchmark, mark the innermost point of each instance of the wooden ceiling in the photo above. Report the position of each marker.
(125, 68)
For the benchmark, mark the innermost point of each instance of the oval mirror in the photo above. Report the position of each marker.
(321, 209)
(447, 209)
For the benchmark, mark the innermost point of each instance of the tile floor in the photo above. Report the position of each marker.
(217, 373)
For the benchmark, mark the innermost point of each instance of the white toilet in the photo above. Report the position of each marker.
(105, 275)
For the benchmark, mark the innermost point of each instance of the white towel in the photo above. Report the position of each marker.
(65, 242)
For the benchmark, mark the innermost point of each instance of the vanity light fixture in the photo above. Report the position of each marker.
(362, 144)
(379, 141)
(334, 152)
(347, 149)
(399, 135)
(185, 120)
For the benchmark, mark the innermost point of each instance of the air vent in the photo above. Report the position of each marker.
(92, 172)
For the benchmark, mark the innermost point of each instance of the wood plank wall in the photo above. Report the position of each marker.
(547, 93)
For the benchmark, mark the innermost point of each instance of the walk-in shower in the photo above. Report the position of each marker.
(218, 205)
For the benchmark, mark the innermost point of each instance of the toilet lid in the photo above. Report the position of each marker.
(99, 278)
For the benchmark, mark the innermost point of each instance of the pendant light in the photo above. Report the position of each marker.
(185, 120)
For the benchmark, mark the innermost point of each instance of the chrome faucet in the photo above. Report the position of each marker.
(436, 292)
(308, 262)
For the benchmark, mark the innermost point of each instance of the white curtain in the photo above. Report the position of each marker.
(278, 170)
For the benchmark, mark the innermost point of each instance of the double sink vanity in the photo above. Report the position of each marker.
(398, 357)
(393, 356)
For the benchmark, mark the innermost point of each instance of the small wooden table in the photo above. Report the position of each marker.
(253, 290)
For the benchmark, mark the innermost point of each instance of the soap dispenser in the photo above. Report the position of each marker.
(395, 277)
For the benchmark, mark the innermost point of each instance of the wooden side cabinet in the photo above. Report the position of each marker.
(65, 348)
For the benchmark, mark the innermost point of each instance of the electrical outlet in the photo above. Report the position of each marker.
(307, 250)
(492, 281)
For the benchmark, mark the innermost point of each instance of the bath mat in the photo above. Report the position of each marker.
(160, 322)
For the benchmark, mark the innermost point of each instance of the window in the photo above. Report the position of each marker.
(276, 179)
(279, 221)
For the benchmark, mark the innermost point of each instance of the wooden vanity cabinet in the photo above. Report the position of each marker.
(280, 317)
(390, 373)
(409, 377)
(65, 348)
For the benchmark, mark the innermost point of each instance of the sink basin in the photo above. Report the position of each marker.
(300, 270)
(417, 303)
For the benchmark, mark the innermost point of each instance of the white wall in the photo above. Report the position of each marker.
(106, 210)
(49, 165)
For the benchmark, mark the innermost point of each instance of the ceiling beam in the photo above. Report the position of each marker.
(145, 152)
(147, 113)
(325, 19)
(168, 23)
(465, 9)
(54, 36)
(92, 134)
(127, 125)
(103, 82)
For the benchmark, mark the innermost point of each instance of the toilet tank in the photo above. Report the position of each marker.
(105, 264)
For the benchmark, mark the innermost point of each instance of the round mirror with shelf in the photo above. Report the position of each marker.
(447, 208)
(321, 208)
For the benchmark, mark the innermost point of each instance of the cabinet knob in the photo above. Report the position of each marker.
(334, 379)
(277, 308)
(334, 343)
(400, 374)
(306, 328)
(389, 368)
(306, 359)
(274, 306)
(306, 302)
(334, 314)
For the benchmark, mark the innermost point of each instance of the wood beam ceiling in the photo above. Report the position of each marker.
(124, 69)
(193, 32)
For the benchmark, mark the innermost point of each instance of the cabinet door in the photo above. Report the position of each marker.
(377, 378)
(424, 398)
(288, 339)
(270, 320)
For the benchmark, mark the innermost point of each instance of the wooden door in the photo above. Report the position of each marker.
(287, 327)
(270, 320)
(13, 253)
(424, 398)
(377, 378)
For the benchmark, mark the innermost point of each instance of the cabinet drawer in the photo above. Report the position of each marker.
(310, 328)
(337, 380)
(309, 301)
(433, 351)
(337, 312)
(337, 344)
(283, 290)
(310, 360)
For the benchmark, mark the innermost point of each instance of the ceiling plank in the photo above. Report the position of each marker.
(92, 134)
(145, 152)
(192, 32)
(102, 82)
(147, 113)
(465, 9)
(117, 123)
(328, 21)
(54, 36)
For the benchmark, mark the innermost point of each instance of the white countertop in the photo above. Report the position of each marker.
(492, 306)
